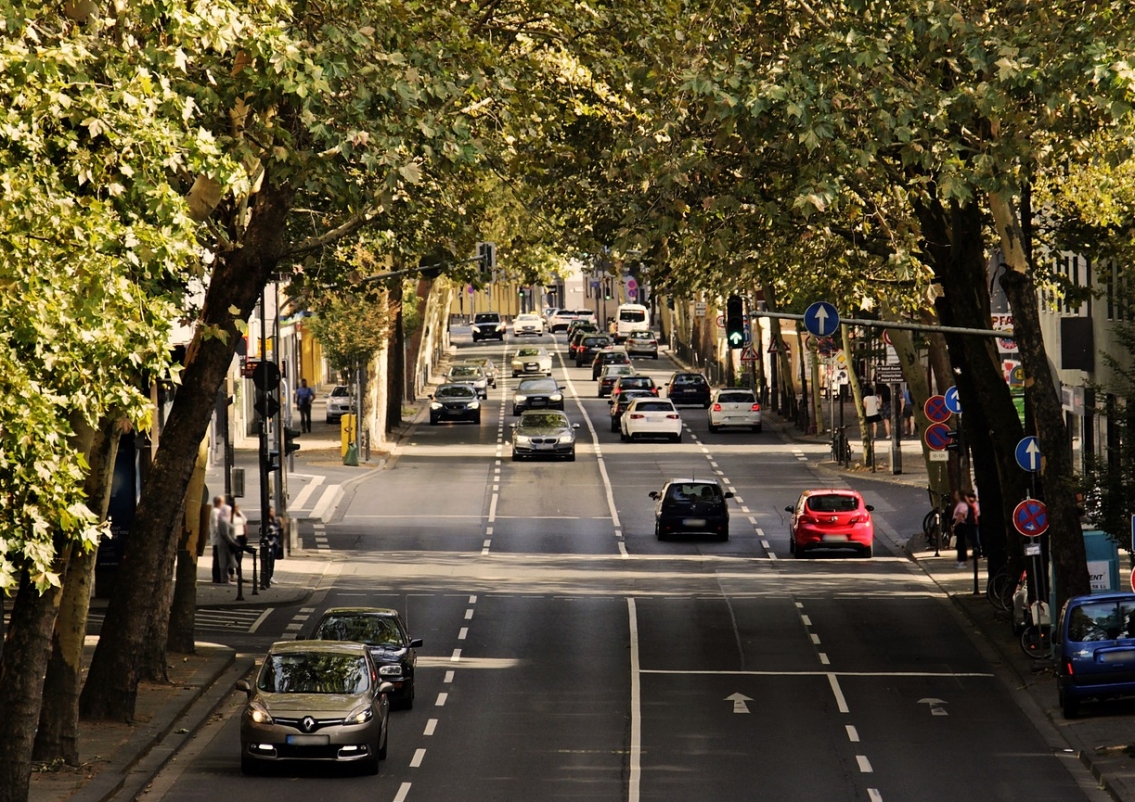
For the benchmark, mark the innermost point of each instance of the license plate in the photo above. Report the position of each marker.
(694, 522)
(531, 366)
(1117, 657)
(835, 538)
(308, 740)
(545, 446)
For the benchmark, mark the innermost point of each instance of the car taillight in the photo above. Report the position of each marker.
(654, 391)
(858, 519)
(672, 417)
(807, 519)
(1068, 667)
(637, 416)
(717, 407)
(755, 408)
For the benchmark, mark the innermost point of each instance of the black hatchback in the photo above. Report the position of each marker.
(688, 388)
(384, 634)
(588, 346)
(691, 506)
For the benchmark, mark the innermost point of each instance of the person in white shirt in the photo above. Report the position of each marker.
(871, 412)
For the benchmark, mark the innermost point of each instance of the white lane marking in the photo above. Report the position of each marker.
(841, 703)
(864, 764)
(441, 697)
(713, 462)
(807, 673)
(326, 501)
(705, 450)
(463, 633)
(448, 677)
(815, 639)
(294, 627)
(874, 795)
(824, 659)
(403, 792)
(760, 532)
(302, 497)
(468, 615)
(753, 521)
(623, 550)
(431, 727)
(765, 545)
(799, 605)
(852, 733)
(493, 508)
(807, 621)
(486, 544)
(472, 599)
(772, 555)
(636, 708)
(745, 510)
(488, 530)
(260, 620)
(456, 656)
(416, 760)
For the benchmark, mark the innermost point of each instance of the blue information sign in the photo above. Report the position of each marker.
(821, 319)
(952, 402)
(1027, 453)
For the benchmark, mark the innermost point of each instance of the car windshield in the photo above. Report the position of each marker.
(538, 386)
(616, 371)
(542, 420)
(635, 381)
(455, 391)
(693, 491)
(735, 398)
(833, 503)
(340, 391)
(314, 672)
(485, 317)
(654, 406)
(465, 372)
(528, 352)
(1107, 620)
(373, 630)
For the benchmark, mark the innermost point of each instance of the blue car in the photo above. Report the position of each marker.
(1095, 649)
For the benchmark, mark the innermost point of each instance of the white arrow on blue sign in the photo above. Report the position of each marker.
(1027, 453)
(953, 403)
(821, 319)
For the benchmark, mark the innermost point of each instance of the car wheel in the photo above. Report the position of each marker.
(626, 438)
(798, 552)
(713, 428)
(705, 405)
(1068, 705)
(614, 426)
(516, 410)
(433, 420)
(868, 551)
(757, 429)
(655, 356)
(382, 749)
(571, 456)
(678, 437)
(515, 457)
(248, 766)
(791, 545)
(723, 536)
(477, 419)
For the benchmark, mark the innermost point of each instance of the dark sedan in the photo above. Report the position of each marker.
(636, 382)
(587, 346)
(455, 402)
(608, 356)
(543, 434)
(688, 388)
(537, 394)
(691, 506)
(383, 632)
(620, 403)
(611, 374)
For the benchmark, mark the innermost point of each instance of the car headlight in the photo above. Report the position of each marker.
(259, 713)
(556, 397)
(436, 405)
(360, 715)
(566, 439)
(521, 440)
(519, 399)
(475, 405)
(390, 671)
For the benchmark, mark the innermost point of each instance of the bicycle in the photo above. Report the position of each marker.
(1036, 638)
(936, 524)
(1001, 588)
(841, 448)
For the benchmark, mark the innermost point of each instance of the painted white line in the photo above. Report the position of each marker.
(448, 677)
(799, 605)
(852, 733)
(807, 621)
(472, 599)
(416, 760)
(468, 615)
(864, 764)
(293, 627)
(456, 656)
(760, 532)
(765, 545)
(874, 795)
(486, 544)
(824, 659)
(260, 619)
(488, 530)
(635, 773)
(841, 703)
(302, 497)
(746, 510)
(485, 552)
(772, 555)
(493, 508)
(403, 792)
(441, 697)
(431, 727)
(326, 502)
(463, 633)
(712, 462)
(815, 639)
(623, 550)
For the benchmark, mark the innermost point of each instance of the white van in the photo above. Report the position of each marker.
(630, 318)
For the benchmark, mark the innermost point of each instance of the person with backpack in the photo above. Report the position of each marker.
(965, 525)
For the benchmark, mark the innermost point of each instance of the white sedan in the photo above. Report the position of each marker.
(531, 361)
(651, 417)
(734, 407)
(527, 324)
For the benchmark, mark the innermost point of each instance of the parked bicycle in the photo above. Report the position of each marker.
(936, 523)
(1036, 638)
(841, 448)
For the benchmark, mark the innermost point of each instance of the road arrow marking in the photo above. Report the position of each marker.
(738, 700)
(936, 708)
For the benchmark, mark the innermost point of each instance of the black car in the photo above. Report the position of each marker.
(608, 356)
(691, 506)
(488, 326)
(688, 388)
(384, 634)
(455, 402)
(543, 434)
(588, 346)
(620, 403)
(537, 394)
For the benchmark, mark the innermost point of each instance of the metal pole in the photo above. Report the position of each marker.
(896, 434)
(262, 432)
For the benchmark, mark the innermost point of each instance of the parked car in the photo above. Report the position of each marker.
(487, 365)
(633, 382)
(587, 345)
(381, 630)
(546, 433)
(531, 360)
(473, 375)
(619, 405)
(688, 388)
(537, 394)
(734, 408)
(527, 324)
(338, 403)
(1095, 649)
(321, 701)
(691, 506)
(611, 374)
(651, 417)
(611, 355)
(455, 402)
(642, 343)
(488, 326)
(830, 518)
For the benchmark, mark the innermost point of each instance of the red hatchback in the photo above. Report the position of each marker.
(831, 519)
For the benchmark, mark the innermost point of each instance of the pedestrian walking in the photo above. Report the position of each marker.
(907, 413)
(215, 540)
(965, 525)
(871, 412)
(883, 393)
(271, 547)
(240, 535)
(304, 398)
(226, 544)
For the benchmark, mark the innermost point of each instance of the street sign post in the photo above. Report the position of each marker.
(1030, 518)
(952, 402)
(937, 436)
(821, 319)
(936, 409)
(889, 374)
(749, 354)
(1027, 454)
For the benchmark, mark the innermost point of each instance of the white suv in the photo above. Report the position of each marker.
(560, 319)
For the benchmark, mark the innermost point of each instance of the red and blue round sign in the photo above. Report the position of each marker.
(1030, 518)
(937, 436)
(936, 409)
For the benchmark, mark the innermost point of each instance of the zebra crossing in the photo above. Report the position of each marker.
(245, 620)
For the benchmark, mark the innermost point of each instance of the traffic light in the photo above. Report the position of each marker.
(290, 444)
(735, 321)
(487, 254)
(607, 290)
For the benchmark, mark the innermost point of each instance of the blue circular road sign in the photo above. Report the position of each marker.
(821, 319)
(953, 403)
(936, 409)
(1027, 454)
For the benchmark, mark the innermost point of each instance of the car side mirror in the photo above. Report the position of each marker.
(242, 685)
(611, 403)
(728, 494)
(431, 396)
(869, 508)
(575, 426)
(789, 509)
(512, 426)
(654, 494)
(415, 643)
(385, 687)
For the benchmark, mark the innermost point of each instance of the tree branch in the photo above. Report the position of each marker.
(350, 226)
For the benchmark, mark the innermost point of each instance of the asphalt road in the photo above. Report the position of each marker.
(569, 655)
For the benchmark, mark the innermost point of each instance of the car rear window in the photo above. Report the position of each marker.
(655, 406)
(735, 398)
(691, 491)
(636, 381)
(1110, 620)
(833, 503)
(689, 378)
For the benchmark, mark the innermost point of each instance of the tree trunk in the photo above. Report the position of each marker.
(1066, 542)
(183, 611)
(58, 735)
(112, 682)
(396, 362)
(856, 391)
(915, 378)
(154, 664)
